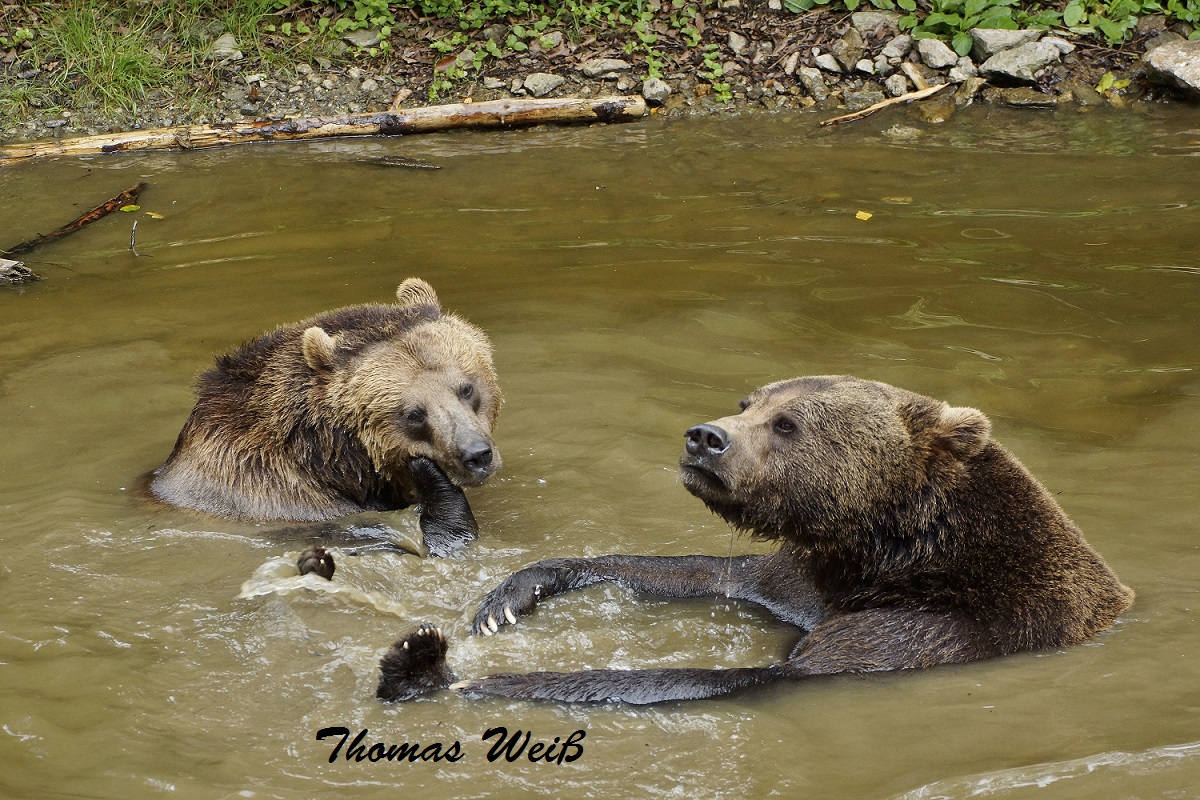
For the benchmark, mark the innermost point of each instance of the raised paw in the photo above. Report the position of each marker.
(517, 596)
(318, 560)
(415, 665)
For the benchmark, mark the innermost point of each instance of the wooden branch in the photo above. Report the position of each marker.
(490, 114)
(891, 101)
(125, 198)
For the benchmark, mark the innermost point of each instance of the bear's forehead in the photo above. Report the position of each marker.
(835, 388)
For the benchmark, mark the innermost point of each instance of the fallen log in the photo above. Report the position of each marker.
(490, 114)
(920, 94)
(127, 197)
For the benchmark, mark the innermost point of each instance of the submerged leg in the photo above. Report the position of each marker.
(786, 592)
(318, 560)
(446, 519)
(637, 687)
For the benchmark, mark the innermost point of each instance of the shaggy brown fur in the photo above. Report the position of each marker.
(322, 418)
(908, 538)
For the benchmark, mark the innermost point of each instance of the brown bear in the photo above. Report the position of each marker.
(907, 538)
(369, 407)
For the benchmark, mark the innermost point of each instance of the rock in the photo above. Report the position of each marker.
(656, 91)
(867, 22)
(936, 54)
(363, 37)
(225, 48)
(303, 69)
(15, 273)
(1166, 37)
(625, 83)
(604, 67)
(965, 68)
(1019, 97)
(898, 47)
(903, 133)
(965, 94)
(896, 85)
(866, 66)
(738, 44)
(936, 110)
(883, 66)
(1063, 45)
(814, 82)
(368, 85)
(1085, 94)
(1021, 62)
(540, 84)
(827, 63)
(848, 49)
(1175, 64)
(857, 101)
(517, 86)
(492, 83)
(990, 41)
(1151, 25)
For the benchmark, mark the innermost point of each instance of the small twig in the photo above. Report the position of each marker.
(133, 239)
(891, 101)
(107, 207)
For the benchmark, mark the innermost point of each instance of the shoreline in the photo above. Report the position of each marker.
(751, 58)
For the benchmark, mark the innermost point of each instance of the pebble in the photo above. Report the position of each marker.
(656, 91)
(602, 67)
(540, 84)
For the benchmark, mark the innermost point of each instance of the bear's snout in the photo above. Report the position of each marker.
(476, 457)
(706, 440)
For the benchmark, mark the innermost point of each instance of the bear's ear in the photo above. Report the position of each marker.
(319, 349)
(961, 430)
(416, 292)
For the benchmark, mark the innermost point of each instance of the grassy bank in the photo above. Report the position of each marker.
(117, 58)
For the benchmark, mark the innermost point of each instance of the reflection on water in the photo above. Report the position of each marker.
(635, 280)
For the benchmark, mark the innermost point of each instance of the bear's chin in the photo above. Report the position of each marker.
(703, 483)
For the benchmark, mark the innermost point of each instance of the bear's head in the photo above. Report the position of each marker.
(427, 387)
(830, 459)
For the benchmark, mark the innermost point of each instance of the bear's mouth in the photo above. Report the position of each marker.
(699, 479)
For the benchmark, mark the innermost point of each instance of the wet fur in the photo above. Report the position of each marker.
(907, 539)
(300, 423)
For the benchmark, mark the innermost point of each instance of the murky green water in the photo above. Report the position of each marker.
(635, 280)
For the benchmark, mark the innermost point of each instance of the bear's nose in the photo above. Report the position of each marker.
(477, 456)
(706, 440)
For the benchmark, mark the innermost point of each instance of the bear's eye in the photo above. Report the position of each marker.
(468, 395)
(783, 426)
(415, 417)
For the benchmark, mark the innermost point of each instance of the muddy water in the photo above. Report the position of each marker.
(635, 280)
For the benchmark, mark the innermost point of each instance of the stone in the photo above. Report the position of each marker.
(363, 37)
(368, 85)
(965, 94)
(604, 67)
(738, 44)
(303, 69)
(814, 82)
(866, 66)
(848, 49)
(867, 22)
(1166, 37)
(656, 91)
(936, 54)
(225, 48)
(1063, 45)
(1019, 97)
(990, 41)
(828, 63)
(1022, 62)
(1175, 64)
(883, 66)
(896, 85)
(857, 101)
(540, 84)
(898, 47)
(936, 110)
(492, 83)
(965, 68)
